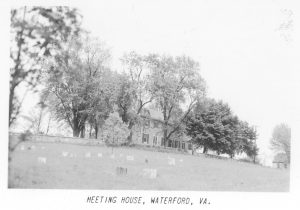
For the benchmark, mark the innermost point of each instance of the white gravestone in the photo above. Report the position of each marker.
(171, 161)
(42, 160)
(100, 155)
(150, 173)
(72, 155)
(88, 155)
(112, 156)
(129, 158)
(64, 154)
(22, 147)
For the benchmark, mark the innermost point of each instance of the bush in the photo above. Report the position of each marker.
(115, 130)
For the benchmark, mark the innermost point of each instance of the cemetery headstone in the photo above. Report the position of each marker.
(129, 157)
(150, 173)
(32, 147)
(42, 160)
(88, 155)
(99, 154)
(64, 154)
(171, 161)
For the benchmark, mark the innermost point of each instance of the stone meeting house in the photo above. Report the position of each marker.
(150, 132)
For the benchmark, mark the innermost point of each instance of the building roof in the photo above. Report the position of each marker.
(155, 114)
(152, 114)
(280, 158)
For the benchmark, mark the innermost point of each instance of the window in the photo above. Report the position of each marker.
(190, 146)
(170, 143)
(176, 144)
(162, 141)
(145, 138)
(155, 140)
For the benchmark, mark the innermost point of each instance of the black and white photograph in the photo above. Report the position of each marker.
(152, 96)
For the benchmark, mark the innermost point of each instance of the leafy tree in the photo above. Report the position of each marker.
(35, 119)
(104, 96)
(78, 79)
(36, 33)
(213, 126)
(281, 139)
(115, 131)
(206, 128)
(247, 136)
(125, 98)
(174, 82)
(138, 93)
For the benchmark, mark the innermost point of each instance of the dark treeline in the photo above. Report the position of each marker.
(213, 126)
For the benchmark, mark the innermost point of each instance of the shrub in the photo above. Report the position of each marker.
(115, 131)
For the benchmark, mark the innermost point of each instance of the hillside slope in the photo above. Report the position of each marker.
(77, 171)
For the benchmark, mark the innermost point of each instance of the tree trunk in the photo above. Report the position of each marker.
(205, 150)
(165, 128)
(75, 127)
(166, 141)
(48, 124)
(130, 126)
(82, 132)
(40, 120)
(16, 75)
(76, 132)
(96, 129)
(11, 105)
(90, 133)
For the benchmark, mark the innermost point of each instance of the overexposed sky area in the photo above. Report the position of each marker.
(245, 48)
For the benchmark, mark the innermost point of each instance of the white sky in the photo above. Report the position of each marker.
(246, 61)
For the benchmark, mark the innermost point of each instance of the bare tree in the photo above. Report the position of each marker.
(281, 139)
(177, 86)
(80, 84)
(138, 89)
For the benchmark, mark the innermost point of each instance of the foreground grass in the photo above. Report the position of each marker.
(189, 173)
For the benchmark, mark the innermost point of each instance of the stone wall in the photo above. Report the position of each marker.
(14, 137)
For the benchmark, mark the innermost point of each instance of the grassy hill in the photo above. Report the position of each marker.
(76, 171)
